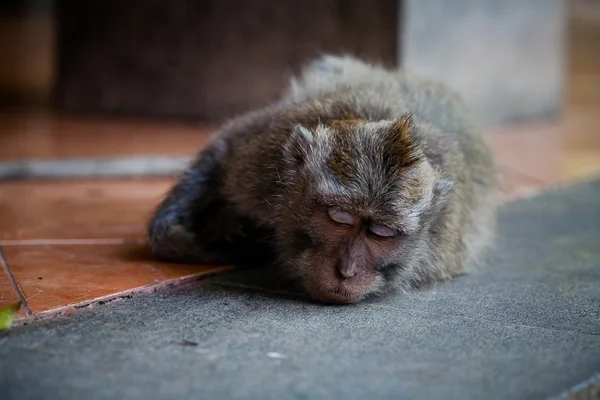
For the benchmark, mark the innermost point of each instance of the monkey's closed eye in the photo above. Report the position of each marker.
(383, 231)
(341, 217)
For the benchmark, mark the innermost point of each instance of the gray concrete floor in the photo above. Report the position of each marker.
(524, 326)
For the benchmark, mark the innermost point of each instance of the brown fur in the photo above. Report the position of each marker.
(384, 148)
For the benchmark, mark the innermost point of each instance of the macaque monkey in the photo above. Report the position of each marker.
(359, 180)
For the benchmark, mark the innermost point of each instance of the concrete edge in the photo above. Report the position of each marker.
(107, 167)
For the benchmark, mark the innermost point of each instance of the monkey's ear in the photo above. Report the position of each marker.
(298, 145)
(403, 145)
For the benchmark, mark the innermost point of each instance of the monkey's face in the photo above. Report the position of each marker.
(357, 213)
(347, 256)
(347, 249)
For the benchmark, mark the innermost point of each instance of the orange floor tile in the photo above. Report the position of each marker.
(77, 210)
(56, 276)
(533, 150)
(529, 157)
(47, 135)
(514, 185)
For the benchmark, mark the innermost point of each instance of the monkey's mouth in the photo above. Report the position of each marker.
(324, 286)
(336, 295)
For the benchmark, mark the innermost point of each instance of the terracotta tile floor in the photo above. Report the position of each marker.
(53, 276)
(74, 243)
(46, 135)
(95, 211)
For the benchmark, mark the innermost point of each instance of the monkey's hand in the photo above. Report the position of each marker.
(179, 229)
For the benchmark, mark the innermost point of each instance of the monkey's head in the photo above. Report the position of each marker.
(360, 202)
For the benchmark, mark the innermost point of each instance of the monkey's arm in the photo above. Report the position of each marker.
(196, 224)
(174, 232)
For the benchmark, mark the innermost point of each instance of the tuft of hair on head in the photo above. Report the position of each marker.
(402, 148)
(298, 145)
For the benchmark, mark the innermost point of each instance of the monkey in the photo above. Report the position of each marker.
(360, 180)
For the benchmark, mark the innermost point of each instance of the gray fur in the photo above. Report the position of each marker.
(334, 137)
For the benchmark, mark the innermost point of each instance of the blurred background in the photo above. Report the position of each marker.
(72, 71)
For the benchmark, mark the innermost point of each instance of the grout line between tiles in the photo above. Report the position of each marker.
(14, 283)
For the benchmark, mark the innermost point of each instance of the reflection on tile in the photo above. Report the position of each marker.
(56, 276)
(528, 156)
(582, 142)
(582, 139)
(514, 185)
(78, 209)
(29, 134)
(531, 150)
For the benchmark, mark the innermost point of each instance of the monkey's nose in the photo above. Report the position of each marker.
(346, 270)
